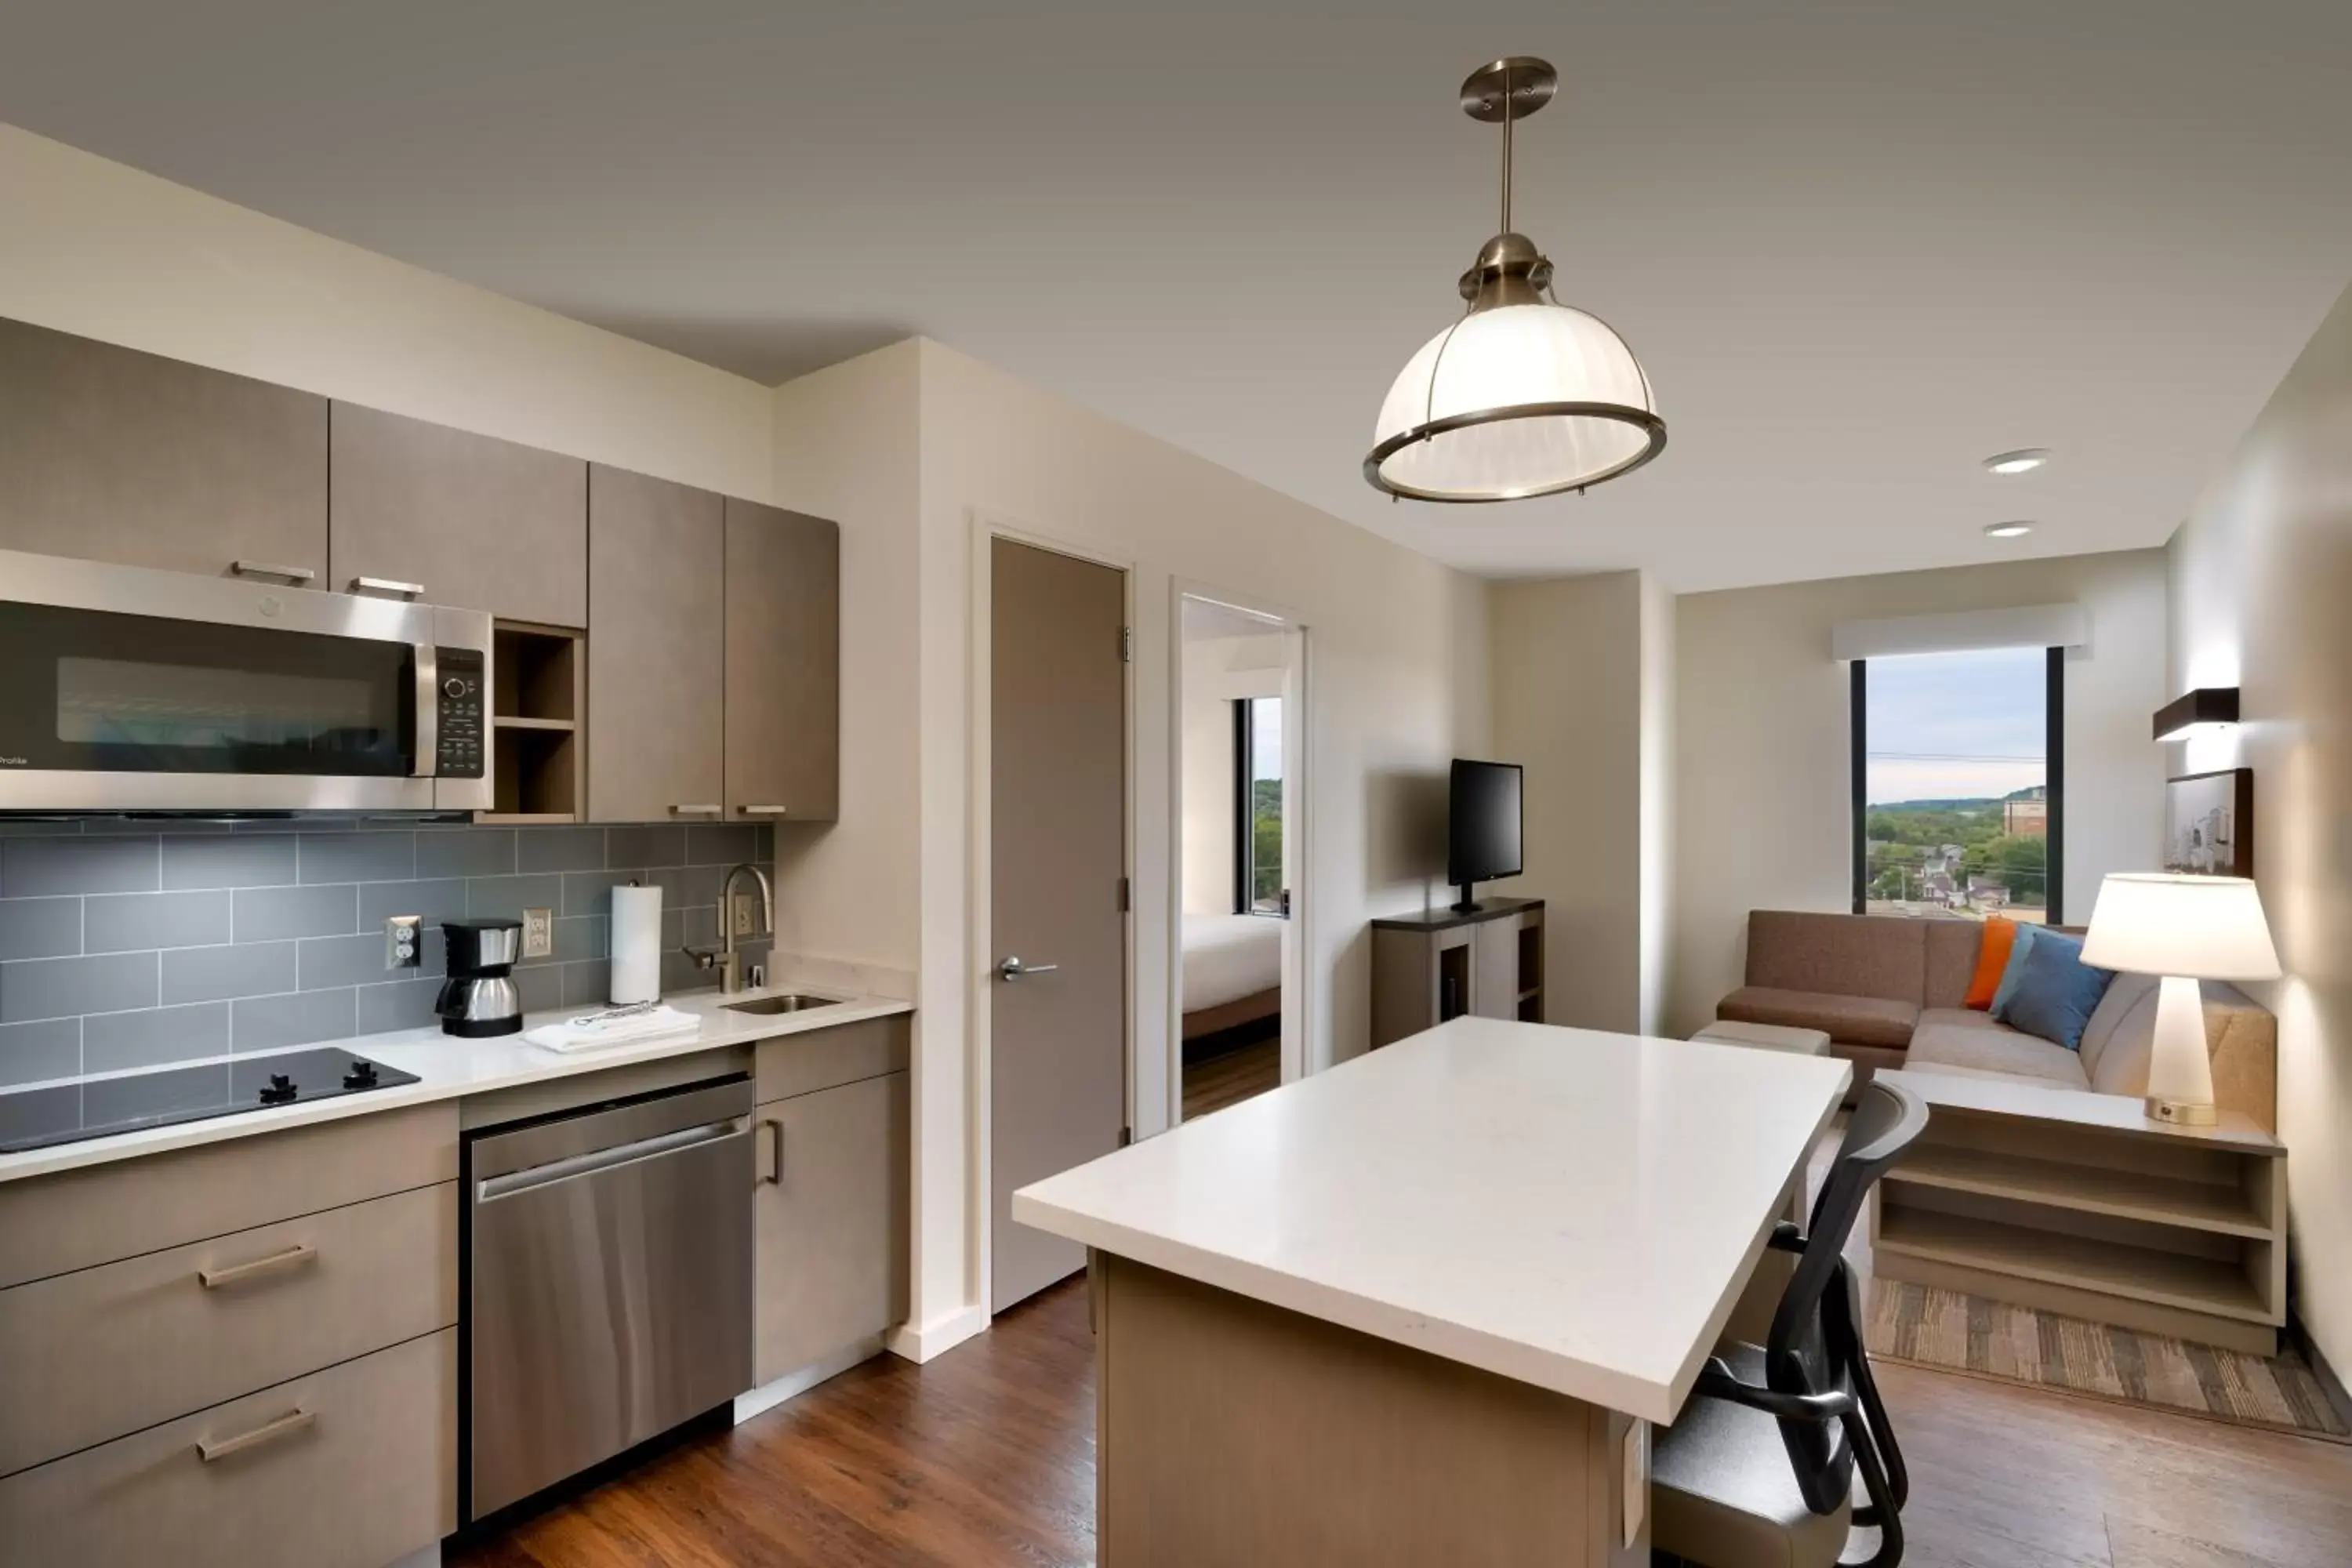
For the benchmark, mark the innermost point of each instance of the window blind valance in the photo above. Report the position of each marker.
(2032, 626)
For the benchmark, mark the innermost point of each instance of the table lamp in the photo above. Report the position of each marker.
(2185, 929)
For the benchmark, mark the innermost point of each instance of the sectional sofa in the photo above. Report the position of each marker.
(1890, 992)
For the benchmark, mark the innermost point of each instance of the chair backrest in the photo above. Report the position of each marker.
(1815, 1342)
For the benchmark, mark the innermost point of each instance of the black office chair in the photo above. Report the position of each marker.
(1758, 1471)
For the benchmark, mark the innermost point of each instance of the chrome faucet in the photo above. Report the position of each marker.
(724, 958)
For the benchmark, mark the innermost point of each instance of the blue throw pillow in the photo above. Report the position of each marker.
(2058, 992)
(2014, 970)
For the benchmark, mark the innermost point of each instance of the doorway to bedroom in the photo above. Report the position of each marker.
(1236, 980)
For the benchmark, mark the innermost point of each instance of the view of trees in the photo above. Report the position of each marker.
(1265, 843)
(1908, 843)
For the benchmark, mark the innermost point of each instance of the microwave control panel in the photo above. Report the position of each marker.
(464, 717)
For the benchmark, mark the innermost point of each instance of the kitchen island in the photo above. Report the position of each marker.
(1420, 1308)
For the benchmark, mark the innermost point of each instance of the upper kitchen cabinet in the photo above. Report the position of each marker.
(783, 664)
(461, 519)
(656, 649)
(114, 455)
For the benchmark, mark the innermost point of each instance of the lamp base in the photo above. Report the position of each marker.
(2181, 1112)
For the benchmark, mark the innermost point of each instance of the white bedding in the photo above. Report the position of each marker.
(1228, 957)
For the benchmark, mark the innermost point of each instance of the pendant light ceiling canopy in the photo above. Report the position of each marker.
(1522, 396)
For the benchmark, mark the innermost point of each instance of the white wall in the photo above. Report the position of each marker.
(1570, 705)
(102, 250)
(1763, 814)
(2262, 599)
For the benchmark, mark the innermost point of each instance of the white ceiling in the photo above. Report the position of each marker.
(1858, 246)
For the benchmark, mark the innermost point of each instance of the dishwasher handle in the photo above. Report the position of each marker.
(577, 1165)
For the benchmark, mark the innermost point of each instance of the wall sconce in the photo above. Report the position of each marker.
(2204, 711)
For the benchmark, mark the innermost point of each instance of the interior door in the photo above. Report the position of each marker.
(1058, 848)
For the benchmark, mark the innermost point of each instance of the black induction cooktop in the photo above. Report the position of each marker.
(100, 1106)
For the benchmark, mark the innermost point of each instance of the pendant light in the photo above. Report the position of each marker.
(1522, 396)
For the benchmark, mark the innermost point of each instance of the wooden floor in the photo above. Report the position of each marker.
(1233, 1078)
(986, 1456)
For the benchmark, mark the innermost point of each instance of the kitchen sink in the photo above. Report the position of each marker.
(792, 1003)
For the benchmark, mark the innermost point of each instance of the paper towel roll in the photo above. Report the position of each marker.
(636, 944)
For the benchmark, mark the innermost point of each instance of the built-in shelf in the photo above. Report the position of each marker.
(2172, 1279)
(1484, 963)
(2086, 1189)
(537, 698)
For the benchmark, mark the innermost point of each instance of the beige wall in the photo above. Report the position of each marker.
(2262, 599)
(1574, 698)
(93, 248)
(1763, 789)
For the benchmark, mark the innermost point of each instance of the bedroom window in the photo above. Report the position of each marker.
(1257, 808)
(1958, 783)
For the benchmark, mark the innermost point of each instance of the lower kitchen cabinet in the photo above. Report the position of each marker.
(830, 1222)
(350, 1467)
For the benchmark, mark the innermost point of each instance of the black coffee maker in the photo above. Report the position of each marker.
(479, 998)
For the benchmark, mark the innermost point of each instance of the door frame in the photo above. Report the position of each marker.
(983, 528)
(1296, 838)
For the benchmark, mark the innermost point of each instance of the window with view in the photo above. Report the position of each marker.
(1257, 798)
(1956, 785)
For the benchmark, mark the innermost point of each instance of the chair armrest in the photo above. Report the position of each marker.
(1716, 1382)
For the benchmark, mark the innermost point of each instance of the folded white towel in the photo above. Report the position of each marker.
(631, 1027)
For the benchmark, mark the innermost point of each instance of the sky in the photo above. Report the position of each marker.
(1955, 725)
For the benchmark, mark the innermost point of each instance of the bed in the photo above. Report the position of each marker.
(1233, 971)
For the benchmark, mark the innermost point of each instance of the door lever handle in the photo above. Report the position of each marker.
(1013, 969)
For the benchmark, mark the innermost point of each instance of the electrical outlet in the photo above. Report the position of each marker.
(403, 941)
(747, 915)
(537, 932)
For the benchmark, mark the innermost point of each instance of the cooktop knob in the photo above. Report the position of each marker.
(278, 1090)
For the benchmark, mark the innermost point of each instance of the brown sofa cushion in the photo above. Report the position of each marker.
(1847, 1020)
(1969, 1041)
(1952, 950)
(1843, 955)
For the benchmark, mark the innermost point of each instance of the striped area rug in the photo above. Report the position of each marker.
(1956, 1333)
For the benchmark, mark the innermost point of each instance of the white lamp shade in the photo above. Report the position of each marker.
(1523, 357)
(2199, 928)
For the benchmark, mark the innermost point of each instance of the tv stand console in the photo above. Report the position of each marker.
(1487, 962)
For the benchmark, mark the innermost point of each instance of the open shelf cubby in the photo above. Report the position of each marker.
(537, 699)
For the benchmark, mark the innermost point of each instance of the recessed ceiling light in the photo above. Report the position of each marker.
(2008, 530)
(2024, 461)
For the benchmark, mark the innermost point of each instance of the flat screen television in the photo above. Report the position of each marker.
(1484, 820)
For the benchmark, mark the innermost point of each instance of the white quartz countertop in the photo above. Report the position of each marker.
(449, 1068)
(1572, 1209)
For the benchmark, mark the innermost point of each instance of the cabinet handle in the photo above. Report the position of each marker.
(697, 811)
(295, 1420)
(275, 1263)
(265, 569)
(775, 1131)
(387, 585)
(761, 810)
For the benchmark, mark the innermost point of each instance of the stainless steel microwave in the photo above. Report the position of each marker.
(124, 689)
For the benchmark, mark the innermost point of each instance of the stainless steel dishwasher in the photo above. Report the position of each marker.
(609, 1282)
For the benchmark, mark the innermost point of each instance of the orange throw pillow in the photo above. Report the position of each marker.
(1992, 958)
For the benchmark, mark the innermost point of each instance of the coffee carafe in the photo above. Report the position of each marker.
(479, 998)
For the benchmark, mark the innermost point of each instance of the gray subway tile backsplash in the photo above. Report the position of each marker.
(286, 914)
(127, 922)
(39, 928)
(153, 1035)
(224, 974)
(30, 867)
(273, 1023)
(233, 860)
(287, 927)
(68, 987)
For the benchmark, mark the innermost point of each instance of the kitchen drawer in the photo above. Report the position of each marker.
(350, 1467)
(90, 1355)
(52, 1225)
(822, 1058)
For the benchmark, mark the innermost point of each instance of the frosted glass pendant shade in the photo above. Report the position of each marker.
(1514, 401)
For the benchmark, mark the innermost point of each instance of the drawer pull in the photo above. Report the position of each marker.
(397, 590)
(696, 810)
(295, 1420)
(775, 1132)
(762, 811)
(267, 569)
(275, 1263)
